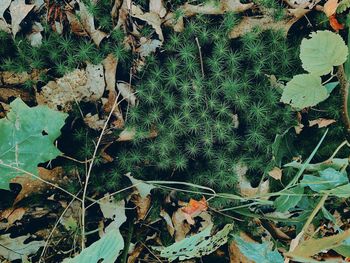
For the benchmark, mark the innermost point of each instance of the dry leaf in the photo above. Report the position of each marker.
(168, 221)
(330, 7)
(143, 205)
(3, 7)
(157, 7)
(148, 46)
(35, 37)
(18, 10)
(75, 25)
(321, 122)
(87, 20)
(335, 24)
(135, 254)
(266, 22)
(194, 208)
(30, 186)
(12, 215)
(129, 135)
(214, 8)
(182, 228)
(293, 244)
(127, 92)
(244, 185)
(78, 85)
(151, 18)
(276, 173)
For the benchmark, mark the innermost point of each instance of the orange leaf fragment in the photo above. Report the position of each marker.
(335, 24)
(194, 208)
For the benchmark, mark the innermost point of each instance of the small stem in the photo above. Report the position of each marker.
(314, 212)
(128, 241)
(200, 56)
(344, 87)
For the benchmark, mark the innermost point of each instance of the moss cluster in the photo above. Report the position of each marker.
(194, 113)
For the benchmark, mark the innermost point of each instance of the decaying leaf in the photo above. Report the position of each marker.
(142, 204)
(78, 85)
(75, 25)
(335, 24)
(216, 8)
(321, 122)
(13, 78)
(276, 173)
(142, 187)
(127, 92)
(148, 46)
(198, 245)
(152, 19)
(16, 248)
(88, 23)
(11, 215)
(3, 7)
(18, 10)
(157, 7)
(113, 209)
(168, 221)
(129, 134)
(194, 208)
(30, 186)
(246, 188)
(35, 36)
(330, 7)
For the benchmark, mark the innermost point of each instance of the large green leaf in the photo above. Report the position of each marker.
(322, 51)
(342, 191)
(335, 163)
(289, 199)
(197, 245)
(106, 249)
(27, 138)
(258, 252)
(304, 90)
(328, 179)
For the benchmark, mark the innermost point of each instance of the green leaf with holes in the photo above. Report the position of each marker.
(27, 138)
(304, 90)
(322, 51)
(203, 243)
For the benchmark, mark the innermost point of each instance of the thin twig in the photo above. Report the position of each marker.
(54, 228)
(200, 56)
(75, 160)
(90, 169)
(39, 178)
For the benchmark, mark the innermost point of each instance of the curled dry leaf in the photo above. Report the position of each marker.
(78, 85)
(157, 7)
(244, 185)
(35, 37)
(214, 8)
(75, 25)
(152, 19)
(276, 173)
(266, 22)
(11, 215)
(4, 4)
(129, 134)
(30, 186)
(330, 7)
(88, 23)
(321, 122)
(168, 221)
(127, 92)
(18, 10)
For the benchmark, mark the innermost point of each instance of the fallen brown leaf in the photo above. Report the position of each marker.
(321, 122)
(30, 186)
(276, 173)
(18, 10)
(235, 253)
(12, 215)
(142, 205)
(194, 208)
(330, 7)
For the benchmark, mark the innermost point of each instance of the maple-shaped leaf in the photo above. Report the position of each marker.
(27, 138)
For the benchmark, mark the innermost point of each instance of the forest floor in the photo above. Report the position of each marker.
(161, 131)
